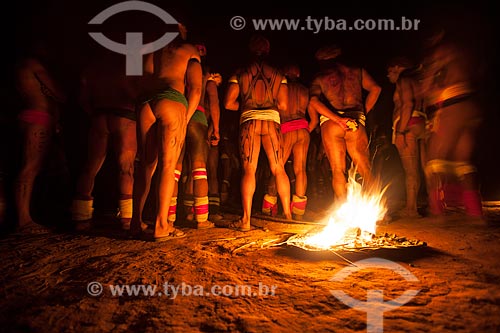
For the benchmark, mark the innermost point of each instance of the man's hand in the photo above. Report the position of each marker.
(214, 138)
(348, 124)
(351, 124)
(216, 77)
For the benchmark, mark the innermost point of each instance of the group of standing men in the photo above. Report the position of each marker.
(174, 107)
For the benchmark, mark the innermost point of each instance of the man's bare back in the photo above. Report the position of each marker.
(36, 87)
(257, 94)
(297, 106)
(108, 86)
(341, 86)
(171, 62)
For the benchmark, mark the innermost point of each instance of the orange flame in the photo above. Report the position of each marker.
(360, 212)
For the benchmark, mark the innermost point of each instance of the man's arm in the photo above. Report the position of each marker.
(283, 95)
(405, 91)
(148, 65)
(194, 76)
(84, 95)
(313, 115)
(322, 109)
(214, 109)
(434, 65)
(52, 88)
(232, 93)
(318, 107)
(373, 89)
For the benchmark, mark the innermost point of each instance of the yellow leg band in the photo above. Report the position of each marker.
(201, 208)
(172, 210)
(299, 205)
(464, 168)
(82, 210)
(269, 204)
(439, 166)
(125, 208)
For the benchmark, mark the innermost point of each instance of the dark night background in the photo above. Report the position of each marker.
(64, 24)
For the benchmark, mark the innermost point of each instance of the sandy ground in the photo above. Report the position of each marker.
(48, 280)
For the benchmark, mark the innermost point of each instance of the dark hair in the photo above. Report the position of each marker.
(259, 45)
(400, 61)
(328, 52)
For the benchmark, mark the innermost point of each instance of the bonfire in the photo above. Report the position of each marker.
(352, 225)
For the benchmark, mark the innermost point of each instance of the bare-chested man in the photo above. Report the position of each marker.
(108, 96)
(450, 87)
(408, 128)
(259, 91)
(38, 121)
(337, 95)
(295, 131)
(162, 122)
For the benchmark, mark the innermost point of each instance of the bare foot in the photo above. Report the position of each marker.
(31, 227)
(126, 225)
(240, 225)
(173, 234)
(205, 225)
(163, 229)
(83, 225)
(135, 229)
(216, 217)
(406, 213)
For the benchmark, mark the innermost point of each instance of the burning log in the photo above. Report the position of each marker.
(357, 240)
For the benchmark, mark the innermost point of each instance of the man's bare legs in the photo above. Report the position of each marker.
(147, 132)
(409, 146)
(196, 187)
(36, 142)
(229, 161)
(250, 142)
(196, 142)
(408, 149)
(298, 143)
(300, 150)
(335, 148)
(252, 134)
(97, 145)
(357, 147)
(450, 150)
(172, 124)
(123, 133)
(125, 147)
(271, 141)
(213, 183)
(96, 154)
